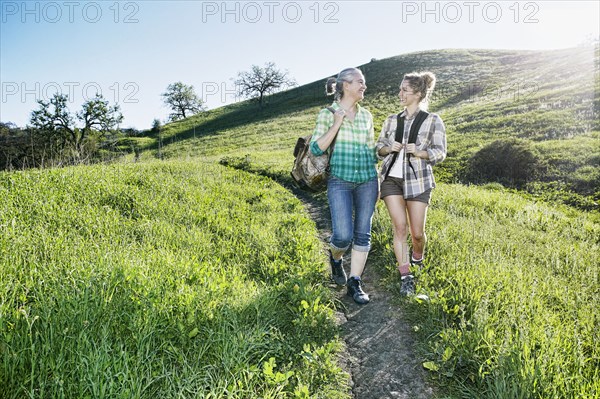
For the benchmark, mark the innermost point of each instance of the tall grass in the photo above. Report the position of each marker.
(514, 289)
(173, 279)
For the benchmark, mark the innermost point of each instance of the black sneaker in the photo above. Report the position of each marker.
(337, 270)
(416, 263)
(356, 292)
(407, 287)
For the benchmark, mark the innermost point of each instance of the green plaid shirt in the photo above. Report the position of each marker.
(354, 158)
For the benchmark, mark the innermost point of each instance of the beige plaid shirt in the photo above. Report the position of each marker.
(431, 138)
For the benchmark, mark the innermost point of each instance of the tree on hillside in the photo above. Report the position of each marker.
(182, 100)
(156, 125)
(260, 82)
(54, 121)
(513, 162)
(98, 116)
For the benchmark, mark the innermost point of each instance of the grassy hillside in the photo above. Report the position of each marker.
(180, 277)
(160, 280)
(512, 314)
(549, 99)
(515, 293)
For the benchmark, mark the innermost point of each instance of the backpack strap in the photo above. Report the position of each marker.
(332, 110)
(414, 132)
(399, 128)
(414, 129)
(397, 137)
(412, 137)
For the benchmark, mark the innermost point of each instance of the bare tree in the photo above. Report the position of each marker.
(182, 100)
(260, 82)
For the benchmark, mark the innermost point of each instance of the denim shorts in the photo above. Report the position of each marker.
(395, 186)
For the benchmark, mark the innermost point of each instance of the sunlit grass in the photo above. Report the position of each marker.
(514, 290)
(160, 280)
(183, 278)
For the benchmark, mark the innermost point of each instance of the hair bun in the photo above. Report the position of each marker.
(429, 79)
(330, 86)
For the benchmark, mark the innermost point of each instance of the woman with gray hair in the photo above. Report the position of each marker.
(410, 143)
(353, 187)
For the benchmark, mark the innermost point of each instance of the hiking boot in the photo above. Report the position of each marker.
(337, 270)
(407, 287)
(355, 290)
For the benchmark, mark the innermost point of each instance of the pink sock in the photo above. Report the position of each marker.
(417, 256)
(404, 269)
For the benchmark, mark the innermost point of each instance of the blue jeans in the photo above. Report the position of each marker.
(345, 199)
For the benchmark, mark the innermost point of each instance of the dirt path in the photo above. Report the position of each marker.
(379, 354)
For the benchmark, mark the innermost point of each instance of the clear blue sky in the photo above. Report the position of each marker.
(131, 50)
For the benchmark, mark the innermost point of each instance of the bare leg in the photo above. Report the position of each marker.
(396, 206)
(417, 214)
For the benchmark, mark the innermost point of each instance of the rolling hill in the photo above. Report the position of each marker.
(547, 99)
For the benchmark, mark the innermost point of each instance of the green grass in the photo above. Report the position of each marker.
(183, 278)
(514, 291)
(176, 279)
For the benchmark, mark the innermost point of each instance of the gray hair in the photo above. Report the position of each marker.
(335, 86)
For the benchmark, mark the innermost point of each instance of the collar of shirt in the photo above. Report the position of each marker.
(337, 106)
(405, 113)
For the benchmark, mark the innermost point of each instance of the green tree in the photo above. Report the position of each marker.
(156, 125)
(513, 162)
(54, 120)
(97, 116)
(182, 100)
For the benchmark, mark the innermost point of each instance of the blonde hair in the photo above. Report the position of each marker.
(422, 83)
(335, 86)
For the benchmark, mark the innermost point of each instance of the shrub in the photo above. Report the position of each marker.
(512, 162)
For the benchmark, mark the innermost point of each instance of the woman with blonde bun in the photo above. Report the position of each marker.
(406, 171)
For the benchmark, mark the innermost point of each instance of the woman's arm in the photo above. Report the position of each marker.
(322, 135)
(383, 146)
(436, 151)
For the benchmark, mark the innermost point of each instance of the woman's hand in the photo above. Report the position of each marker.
(338, 116)
(411, 148)
(396, 146)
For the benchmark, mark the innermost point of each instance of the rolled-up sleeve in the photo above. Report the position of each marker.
(437, 143)
(324, 121)
(383, 140)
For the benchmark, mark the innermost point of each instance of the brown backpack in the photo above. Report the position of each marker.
(310, 172)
